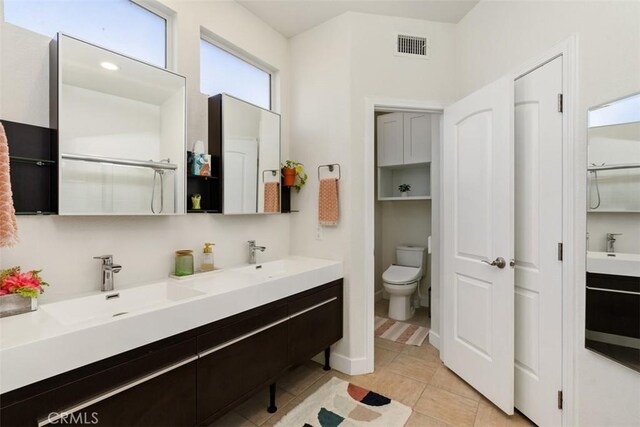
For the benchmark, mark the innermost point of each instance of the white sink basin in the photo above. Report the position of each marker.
(108, 305)
(614, 263)
(270, 270)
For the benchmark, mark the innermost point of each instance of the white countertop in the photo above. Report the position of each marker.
(38, 345)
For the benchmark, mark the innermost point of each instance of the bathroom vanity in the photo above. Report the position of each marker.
(186, 361)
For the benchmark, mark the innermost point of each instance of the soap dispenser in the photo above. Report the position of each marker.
(207, 257)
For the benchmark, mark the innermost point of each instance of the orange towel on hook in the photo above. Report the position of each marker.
(271, 197)
(328, 202)
(8, 224)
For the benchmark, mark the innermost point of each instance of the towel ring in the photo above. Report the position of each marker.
(331, 168)
(274, 172)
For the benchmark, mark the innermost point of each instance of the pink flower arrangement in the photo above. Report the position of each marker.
(28, 285)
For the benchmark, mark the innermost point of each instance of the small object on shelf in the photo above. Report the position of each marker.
(195, 201)
(207, 257)
(19, 291)
(293, 174)
(184, 262)
(404, 189)
(205, 170)
(197, 164)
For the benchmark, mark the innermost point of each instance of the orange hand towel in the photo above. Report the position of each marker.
(8, 225)
(328, 202)
(271, 197)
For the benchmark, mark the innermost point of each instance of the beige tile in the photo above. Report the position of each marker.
(446, 406)
(232, 419)
(255, 408)
(490, 416)
(426, 352)
(447, 380)
(300, 378)
(383, 357)
(413, 367)
(389, 345)
(419, 420)
(397, 387)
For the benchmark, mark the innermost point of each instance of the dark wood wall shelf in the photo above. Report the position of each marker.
(208, 187)
(33, 158)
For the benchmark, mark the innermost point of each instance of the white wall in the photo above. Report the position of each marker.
(497, 36)
(601, 223)
(336, 66)
(63, 246)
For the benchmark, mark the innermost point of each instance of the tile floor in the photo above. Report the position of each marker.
(411, 375)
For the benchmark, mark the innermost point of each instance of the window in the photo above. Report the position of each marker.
(119, 25)
(223, 72)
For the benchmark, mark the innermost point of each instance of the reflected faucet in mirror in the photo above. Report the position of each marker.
(611, 240)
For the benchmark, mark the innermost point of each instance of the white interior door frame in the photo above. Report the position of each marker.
(571, 210)
(371, 106)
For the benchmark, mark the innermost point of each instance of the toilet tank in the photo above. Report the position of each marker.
(410, 256)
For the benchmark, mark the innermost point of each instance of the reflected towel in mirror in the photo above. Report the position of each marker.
(271, 197)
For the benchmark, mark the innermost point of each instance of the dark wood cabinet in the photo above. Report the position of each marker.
(188, 379)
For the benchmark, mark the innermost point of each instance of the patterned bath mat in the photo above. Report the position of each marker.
(339, 403)
(404, 333)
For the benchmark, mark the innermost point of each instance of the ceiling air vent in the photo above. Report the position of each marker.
(414, 46)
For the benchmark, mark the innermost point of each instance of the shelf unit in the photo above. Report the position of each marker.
(418, 176)
(33, 153)
(209, 189)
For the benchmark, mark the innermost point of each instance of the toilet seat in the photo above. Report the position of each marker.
(401, 275)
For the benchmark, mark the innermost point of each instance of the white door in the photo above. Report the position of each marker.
(538, 228)
(240, 176)
(417, 138)
(478, 302)
(390, 139)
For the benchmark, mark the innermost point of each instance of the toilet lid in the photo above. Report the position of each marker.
(398, 275)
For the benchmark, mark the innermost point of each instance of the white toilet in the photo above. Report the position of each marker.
(401, 280)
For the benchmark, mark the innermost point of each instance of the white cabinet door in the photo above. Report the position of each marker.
(390, 139)
(417, 138)
(478, 298)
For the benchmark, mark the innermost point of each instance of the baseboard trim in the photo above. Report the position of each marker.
(434, 339)
(346, 365)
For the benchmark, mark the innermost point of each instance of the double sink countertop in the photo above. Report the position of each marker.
(65, 335)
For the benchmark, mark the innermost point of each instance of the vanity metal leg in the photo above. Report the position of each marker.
(327, 354)
(272, 399)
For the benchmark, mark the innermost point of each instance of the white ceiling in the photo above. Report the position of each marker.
(291, 17)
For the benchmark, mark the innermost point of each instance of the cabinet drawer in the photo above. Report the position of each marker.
(315, 327)
(234, 370)
(307, 301)
(131, 393)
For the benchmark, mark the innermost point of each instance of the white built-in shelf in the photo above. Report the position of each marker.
(391, 199)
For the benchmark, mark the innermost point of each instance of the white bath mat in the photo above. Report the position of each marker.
(404, 333)
(339, 403)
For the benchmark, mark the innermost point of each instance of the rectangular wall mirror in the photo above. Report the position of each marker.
(613, 231)
(250, 145)
(121, 128)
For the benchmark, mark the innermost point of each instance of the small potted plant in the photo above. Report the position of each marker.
(404, 189)
(19, 291)
(293, 174)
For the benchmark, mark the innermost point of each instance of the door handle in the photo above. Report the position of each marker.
(498, 262)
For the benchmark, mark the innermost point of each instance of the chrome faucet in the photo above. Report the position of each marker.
(252, 251)
(611, 240)
(108, 270)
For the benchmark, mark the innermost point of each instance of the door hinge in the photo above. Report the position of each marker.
(560, 251)
(560, 103)
(559, 399)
